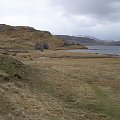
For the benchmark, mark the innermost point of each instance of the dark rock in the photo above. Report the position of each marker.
(45, 46)
(4, 28)
(17, 76)
(29, 29)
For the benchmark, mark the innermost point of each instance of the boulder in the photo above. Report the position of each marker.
(45, 45)
(41, 46)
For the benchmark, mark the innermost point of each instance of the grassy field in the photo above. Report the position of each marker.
(63, 86)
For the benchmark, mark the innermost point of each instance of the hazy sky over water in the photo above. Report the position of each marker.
(98, 18)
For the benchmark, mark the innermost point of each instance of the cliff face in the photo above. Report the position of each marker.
(25, 37)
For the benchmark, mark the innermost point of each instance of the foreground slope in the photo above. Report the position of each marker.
(45, 87)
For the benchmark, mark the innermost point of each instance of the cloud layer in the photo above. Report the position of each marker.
(98, 18)
(95, 8)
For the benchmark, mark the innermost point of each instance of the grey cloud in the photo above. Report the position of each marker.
(99, 18)
(99, 9)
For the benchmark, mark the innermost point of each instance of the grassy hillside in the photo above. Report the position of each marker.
(25, 37)
(59, 86)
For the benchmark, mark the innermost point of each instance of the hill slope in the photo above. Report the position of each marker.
(25, 37)
(59, 89)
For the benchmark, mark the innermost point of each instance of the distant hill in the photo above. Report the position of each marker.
(86, 40)
(25, 37)
(114, 43)
(71, 42)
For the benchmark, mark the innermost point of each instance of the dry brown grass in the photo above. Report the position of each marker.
(66, 86)
(25, 39)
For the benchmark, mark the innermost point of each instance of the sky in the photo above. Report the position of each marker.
(97, 18)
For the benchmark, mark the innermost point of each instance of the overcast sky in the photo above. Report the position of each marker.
(98, 18)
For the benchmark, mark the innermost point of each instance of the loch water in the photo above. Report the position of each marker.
(112, 50)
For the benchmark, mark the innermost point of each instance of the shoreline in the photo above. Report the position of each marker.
(96, 53)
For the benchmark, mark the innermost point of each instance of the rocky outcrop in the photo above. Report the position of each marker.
(5, 28)
(41, 46)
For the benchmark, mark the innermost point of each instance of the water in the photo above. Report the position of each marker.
(114, 50)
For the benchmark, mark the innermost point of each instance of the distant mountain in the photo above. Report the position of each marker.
(80, 40)
(87, 40)
(113, 43)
